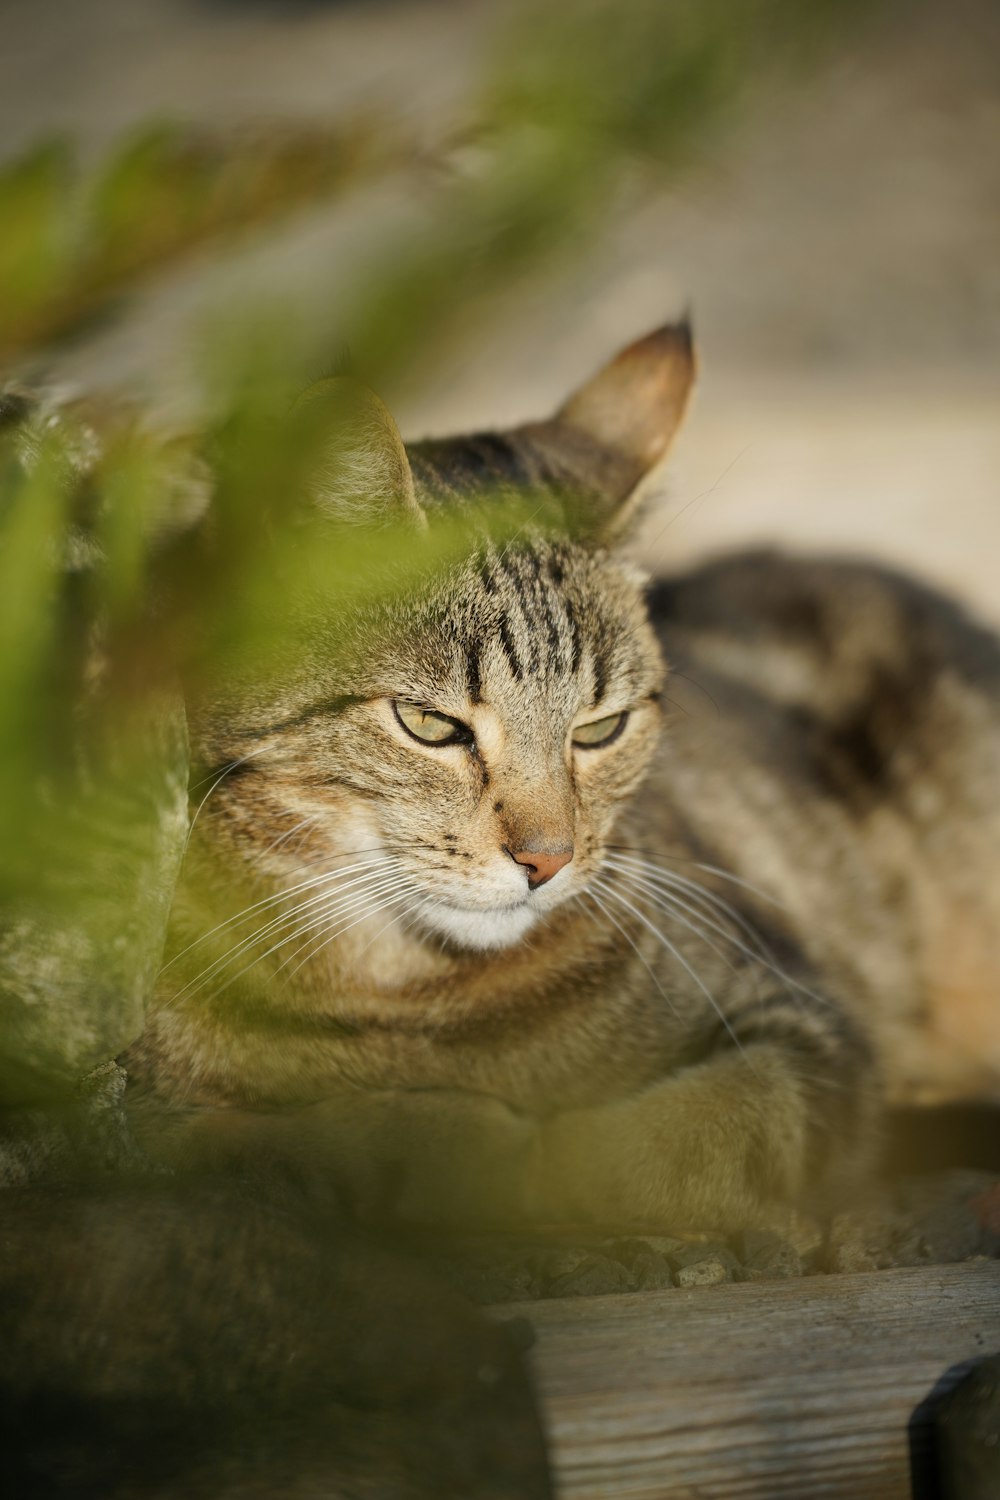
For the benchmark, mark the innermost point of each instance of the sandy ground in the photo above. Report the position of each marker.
(840, 249)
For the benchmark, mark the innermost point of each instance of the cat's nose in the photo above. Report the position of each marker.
(541, 864)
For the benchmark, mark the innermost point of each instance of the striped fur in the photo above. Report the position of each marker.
(687, 1021)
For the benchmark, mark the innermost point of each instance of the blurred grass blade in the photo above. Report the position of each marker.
(73, 243)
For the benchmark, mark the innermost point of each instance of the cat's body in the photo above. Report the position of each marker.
(519, 896)
(857, 780)
(581, 939)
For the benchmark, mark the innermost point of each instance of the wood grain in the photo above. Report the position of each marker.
(800, 1388)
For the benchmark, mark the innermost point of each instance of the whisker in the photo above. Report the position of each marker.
(747, 885)
(325, 855)
(332, 895)
(673, 908)
(423, 907)
(272, 900)
(662, 885)
(337, 910)
(682, 859)
(715, 903)
(333, 907)
(812, 1076)
(662, 938)
(227, 771)
(393, 919)
(283, 838)
(762, 956)
(388, 900)
(632, 943)
(702, 894)
(702, 495)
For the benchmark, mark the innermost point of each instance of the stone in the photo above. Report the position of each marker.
(488, 1280)
(651, 1273)
(704, 1265)
(859, 1241)
(673, 1245)
(711, 1271)
(627, 1251)
(807, 1235)
(581, 1273)
(648, 1267)
(768, 1257)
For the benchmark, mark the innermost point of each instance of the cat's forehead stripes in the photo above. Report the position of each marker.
(541, 608)
(523, 616)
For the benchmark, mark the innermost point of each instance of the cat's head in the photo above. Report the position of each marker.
(479, 737)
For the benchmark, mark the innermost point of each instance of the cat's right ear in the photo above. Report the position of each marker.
(358, 473)
(619, 424)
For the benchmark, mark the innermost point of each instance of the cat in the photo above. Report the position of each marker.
(539, 895)
(526, 892)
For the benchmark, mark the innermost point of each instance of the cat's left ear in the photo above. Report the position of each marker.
(619, 425)
(361, 475)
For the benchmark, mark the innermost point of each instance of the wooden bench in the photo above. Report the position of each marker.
(809, 1388)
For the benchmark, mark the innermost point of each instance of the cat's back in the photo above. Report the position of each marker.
(823, 631)
(835, 736)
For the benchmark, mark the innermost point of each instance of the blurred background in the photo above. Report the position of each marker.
(834, 224)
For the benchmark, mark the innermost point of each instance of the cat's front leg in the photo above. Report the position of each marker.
(765, 1124)
(402, 1156)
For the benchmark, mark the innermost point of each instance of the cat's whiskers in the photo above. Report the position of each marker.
(676, 908)
(412, 920)
(284, 837)
(390, 896)
(274, 900)
(332, 908)
(590, 896)
(792, 990)
(746, 884)
(616, 895)
(337, 910)
(396, 919)
(325, 856)
(681, 859)
(330, 898)
(695, 887)
(760, 954)
(664, 889)
(405, 920)
(424, 907)
(227, 770)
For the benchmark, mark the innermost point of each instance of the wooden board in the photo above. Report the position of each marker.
(801, 1388)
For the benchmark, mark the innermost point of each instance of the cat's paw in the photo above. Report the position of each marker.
(720, 1146)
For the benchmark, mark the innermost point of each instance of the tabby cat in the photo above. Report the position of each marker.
(564, 899)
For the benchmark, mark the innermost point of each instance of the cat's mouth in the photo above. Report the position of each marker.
(475, 927)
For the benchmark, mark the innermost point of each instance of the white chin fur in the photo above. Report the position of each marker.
(480, 929)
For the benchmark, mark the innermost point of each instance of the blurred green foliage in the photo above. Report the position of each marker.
(132, 560)
(72, 244)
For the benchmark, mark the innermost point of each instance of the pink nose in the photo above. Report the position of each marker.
(541, 864)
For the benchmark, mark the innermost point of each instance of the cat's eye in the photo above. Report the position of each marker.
(601, 732)
(430, 727)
